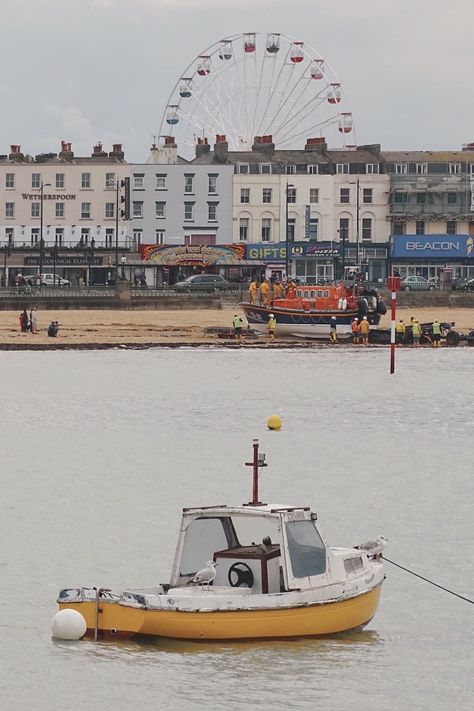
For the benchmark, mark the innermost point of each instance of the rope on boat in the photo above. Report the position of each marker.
(417, 575)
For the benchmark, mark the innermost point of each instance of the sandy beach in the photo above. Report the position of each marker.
(105, 328)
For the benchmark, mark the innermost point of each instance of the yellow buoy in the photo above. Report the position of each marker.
(274, 422)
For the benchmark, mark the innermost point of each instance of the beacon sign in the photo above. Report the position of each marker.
(432, 246)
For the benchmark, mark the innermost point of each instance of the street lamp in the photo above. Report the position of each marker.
(357, 222)
(41, 254)
(287, 256)
(6, 253)
(123, 259)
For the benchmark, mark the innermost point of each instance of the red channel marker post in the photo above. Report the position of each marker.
(393, 284)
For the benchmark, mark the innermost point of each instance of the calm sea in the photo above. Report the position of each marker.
(101, 450)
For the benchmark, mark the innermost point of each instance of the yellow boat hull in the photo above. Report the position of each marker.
(119, 621)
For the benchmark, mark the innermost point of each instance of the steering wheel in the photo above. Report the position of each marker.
(240, 574)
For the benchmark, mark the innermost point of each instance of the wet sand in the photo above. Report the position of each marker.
(106, 328)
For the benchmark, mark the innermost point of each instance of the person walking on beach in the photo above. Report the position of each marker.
(272, 322)
(400, 333)
(33, 320)
(416, 333)
(237, 323)
(24, 323)
(333, 330)
(364, 331)
(355, 328)
(253, 289)
(436, 333)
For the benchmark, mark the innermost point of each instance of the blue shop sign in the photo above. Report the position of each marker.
(265, 252)
(433, 246)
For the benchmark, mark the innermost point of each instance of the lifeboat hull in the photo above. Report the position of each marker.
(303, 324)
(321, 619)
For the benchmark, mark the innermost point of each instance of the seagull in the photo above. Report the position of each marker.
(373, 548)
(206, 575)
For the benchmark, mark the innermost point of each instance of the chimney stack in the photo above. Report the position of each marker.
(15, 153)
(117, 152)
(165, 154)
(98, 151)
(66, 151)
(221, 148)
(264, 143)
(202, 147)
(316, 144)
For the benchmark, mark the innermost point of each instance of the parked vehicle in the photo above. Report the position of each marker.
(202, 282)
(417, 283)
(53, 280)
(463, 284)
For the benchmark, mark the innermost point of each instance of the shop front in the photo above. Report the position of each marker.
(309, 262)
(438, 257)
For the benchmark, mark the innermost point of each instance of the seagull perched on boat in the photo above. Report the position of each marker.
(206, 575)
(373, 548)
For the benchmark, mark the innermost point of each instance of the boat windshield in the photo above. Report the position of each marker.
(307, 551)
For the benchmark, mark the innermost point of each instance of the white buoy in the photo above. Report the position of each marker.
(68, 624)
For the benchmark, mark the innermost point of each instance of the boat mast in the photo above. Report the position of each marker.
(258, 460)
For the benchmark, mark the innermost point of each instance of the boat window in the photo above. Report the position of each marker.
(326, 293)
(203, 537)
(307, 551)
(319, 293)
(252, 529)
(299, 294)
(307, 294)
(352, 565)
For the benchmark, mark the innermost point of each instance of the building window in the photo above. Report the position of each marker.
(266, 229)
(159, 236)
(314, 195)
(421, 168)
(160, 209)
(85, 180)
(109, 210)
(109, 237)
(36, 180)
(420, 227)
(245, 195)
(212, 184)
(401, 168)
(243, 168)
(367, 194)
(60, 180)
(399, 228)
(9, 209)
(188, 210)
(85, 232)
(267, 195)
(366, 229)
(452, 198)
(291, 229)
(451, 227)
(137, 237)
(35, 209)
(59, 212)
(85, 210)
(291, 195)
(161, 181)
(344, 195)
(110, 180)
(137, 209)
(471, 169)
(59, 238)
(244, 229)
(342, 168)
(343, 228)
(420, 198)
(212, 211)
(400, 198)
(10, 180)
(290, 169)
(372, 168)
(313, 229)
(265, 168)
(35, 236)
(454, 168)
(189, 183)
(138, 181)
(313, 169)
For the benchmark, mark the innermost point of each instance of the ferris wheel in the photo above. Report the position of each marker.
(251, 85)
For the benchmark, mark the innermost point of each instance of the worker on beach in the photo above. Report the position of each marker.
(290, 289)
(364, 331)
(278, 290)
(400, 333)
(237, 324)
(333, 330)
(253, 290)
(355, 328)
(416, 333)
(436, 333)
(265, 293)
(272, 322)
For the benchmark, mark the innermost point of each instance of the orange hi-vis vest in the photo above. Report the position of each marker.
(355, 327)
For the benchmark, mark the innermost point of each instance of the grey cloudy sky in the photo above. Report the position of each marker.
(89, 70)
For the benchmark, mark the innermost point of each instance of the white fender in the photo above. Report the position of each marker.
(344, 304)
(339, 304)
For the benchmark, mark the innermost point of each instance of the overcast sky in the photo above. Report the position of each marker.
(89, 70)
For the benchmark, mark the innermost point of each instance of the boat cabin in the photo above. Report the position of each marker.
(266, 548)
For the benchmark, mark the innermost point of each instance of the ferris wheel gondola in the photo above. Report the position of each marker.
(251, 84)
